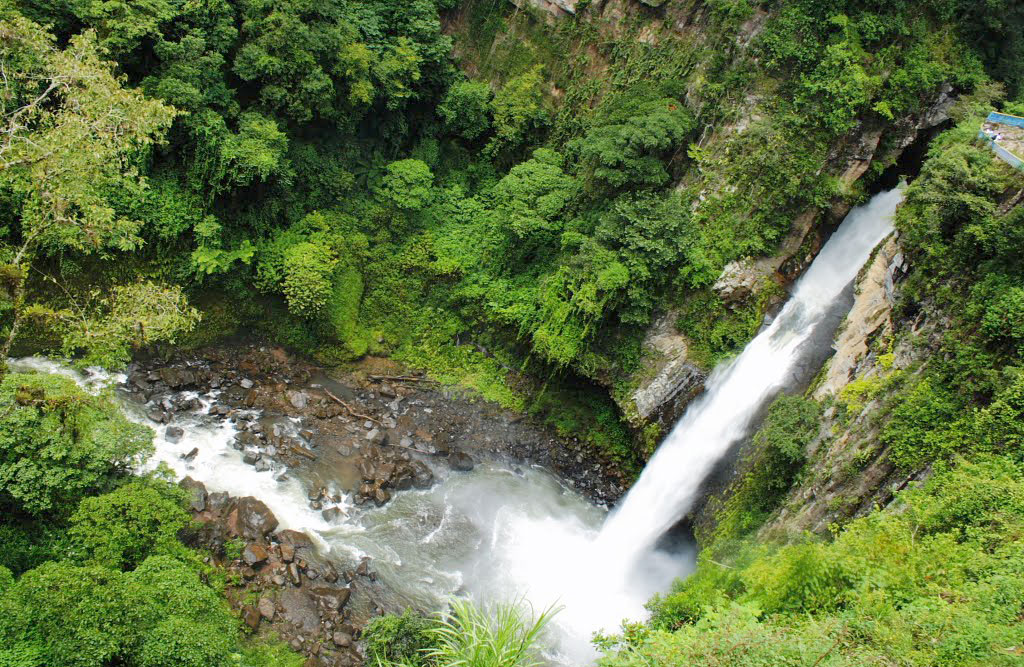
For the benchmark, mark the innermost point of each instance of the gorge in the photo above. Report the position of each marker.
(633, 333)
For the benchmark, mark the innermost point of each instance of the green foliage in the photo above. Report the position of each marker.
(122, 528)
(307, 277)
(407, 185)
(398, 639)
(630, 140)
(502, 635)
(59, 444)
(466, 109)
(519, 113)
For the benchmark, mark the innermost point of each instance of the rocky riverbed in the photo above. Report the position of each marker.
(356, 440)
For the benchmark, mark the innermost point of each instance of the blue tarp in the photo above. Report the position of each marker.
(1005, 155)
(1005, 119)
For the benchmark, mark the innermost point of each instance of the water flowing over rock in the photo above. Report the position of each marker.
(737, 391)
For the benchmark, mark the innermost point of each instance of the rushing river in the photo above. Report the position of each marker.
(500, 532)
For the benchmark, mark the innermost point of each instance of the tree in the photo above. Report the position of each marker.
(465, 109)
(71, 133)
(407, 185)
(518, 112)
(59, 444)
(122, 528)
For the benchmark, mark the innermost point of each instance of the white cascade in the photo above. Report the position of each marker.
(737, 390)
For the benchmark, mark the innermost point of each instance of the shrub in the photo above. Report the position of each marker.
(58, 444)
(398, 639)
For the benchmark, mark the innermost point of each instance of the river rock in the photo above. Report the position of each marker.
(197, 495)
(192, 453)
(299, 609)
(287, 553)
(254, 554)
(250, 456)
(256, 519)
(173, 433)
(332, 599)
(252, 617)
(298, 399)
(331, 514)
(342, 639)
(381, 496)
(266, 608)
(460, 461)
(177, 378)
(377, 436)
(422, 478)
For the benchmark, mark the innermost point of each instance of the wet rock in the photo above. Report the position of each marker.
(293, 574)
(287, 553)
(297, 399)
(266, 608)
(254, 554)
(460, 461)
(257, 520)
(422, 478)
(192, 453)
(197, 495)
(381, 496)
(156, 415)
(174, 433)
(330, 574)
(218, 501)
(177, 378)
(363, 569)
(331, 599)
(300, 610)
(262, 465)
(331, 514)
(252, 617)
(250, 456)
(306, 434)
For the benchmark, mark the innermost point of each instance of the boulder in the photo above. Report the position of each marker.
(331, 599)
(300, 610)
(266, 608)
(460, 461)
(342, 639)
(254, 554)
(192, 453)
(197, 495)
(252, 617)
(422, 478)
(176, 378)
(297, 399)
(256, 519)
(173, 434)
(331, 514)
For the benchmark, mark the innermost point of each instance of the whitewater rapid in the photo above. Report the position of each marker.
(738, 390)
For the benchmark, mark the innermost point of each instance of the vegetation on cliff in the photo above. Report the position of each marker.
(173, 172)
(932, 579)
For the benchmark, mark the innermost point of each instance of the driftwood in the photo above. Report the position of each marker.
(399, 378)
(350, 410)
(302, 451)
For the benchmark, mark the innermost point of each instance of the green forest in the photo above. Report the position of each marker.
(506, 201)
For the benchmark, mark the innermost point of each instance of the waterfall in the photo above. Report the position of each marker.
(738, 389)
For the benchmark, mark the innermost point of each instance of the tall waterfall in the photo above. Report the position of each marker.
(737, 390)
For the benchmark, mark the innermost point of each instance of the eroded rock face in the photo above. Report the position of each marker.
(671, 380)
(869, 316)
